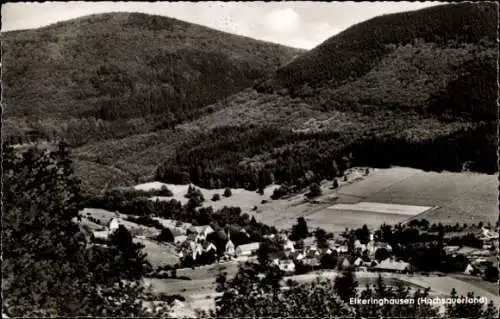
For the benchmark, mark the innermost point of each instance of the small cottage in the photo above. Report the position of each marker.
(390, 265)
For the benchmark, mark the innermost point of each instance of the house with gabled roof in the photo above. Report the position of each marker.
(247, 249)
(392, 265)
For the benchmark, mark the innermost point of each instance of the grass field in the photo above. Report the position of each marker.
(157, 254)
(445, 197)
(242, 198)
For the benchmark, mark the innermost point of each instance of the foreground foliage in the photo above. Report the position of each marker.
(257, 291)
(49, 268)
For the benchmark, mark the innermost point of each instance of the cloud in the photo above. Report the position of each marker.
(282, 21)
(299, 24)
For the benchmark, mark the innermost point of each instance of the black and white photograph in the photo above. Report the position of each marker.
(284, 159)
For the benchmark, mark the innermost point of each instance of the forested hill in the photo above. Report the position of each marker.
(388, 91)
(118, 74)
(414, 89)
(439, 59)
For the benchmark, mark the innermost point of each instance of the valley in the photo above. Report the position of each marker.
(155, 166)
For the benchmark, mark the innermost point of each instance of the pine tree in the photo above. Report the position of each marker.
(47, 269)
(346, 285)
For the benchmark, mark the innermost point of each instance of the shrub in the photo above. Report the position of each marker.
(227, 192)
(215, 197)
(166, 236)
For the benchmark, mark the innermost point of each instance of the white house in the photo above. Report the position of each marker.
(289, 246)
(247, 250)
(201, 231)
(229, 250)
(113, 225)
(393, 266)
(101, 234)
(358, 262)
(300, 256)
(180, 239)
(469, 269)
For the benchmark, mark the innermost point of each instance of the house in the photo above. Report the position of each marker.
(341, 249)
(313, 262)
(383, 245)
(180, 239)
(247, 250)
(345, 263)
(289, 246)
(104, 234)
(358, 262)
(195, 249)
(113, 225)
(371, 247)
(451, 250)
(208, 246)
(312, 252)
(309, 241)
(286, 266)
(391, 265)
(300, 256)
(229, 249)
(201, 231)
(469, 270)
(488, 234)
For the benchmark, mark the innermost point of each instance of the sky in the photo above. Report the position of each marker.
(296, 24)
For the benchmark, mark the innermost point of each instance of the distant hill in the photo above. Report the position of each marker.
(413, 89)
(426, 60)
(117, 74)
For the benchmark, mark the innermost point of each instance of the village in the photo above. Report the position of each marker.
(202, 245)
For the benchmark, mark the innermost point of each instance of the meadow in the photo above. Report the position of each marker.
(454, 197)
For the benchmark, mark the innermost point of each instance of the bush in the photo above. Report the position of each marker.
(166, 236)
(335, 184)
(227, 192)
(314, 190)
(215, 197)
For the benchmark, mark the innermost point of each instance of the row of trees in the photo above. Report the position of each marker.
(300, 159)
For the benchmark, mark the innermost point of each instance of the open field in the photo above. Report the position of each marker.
(158, 254)
(449, 197)
(391, 209)
(242, 198)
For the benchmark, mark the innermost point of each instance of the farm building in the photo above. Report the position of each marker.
(247, 250)
(393, 266)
